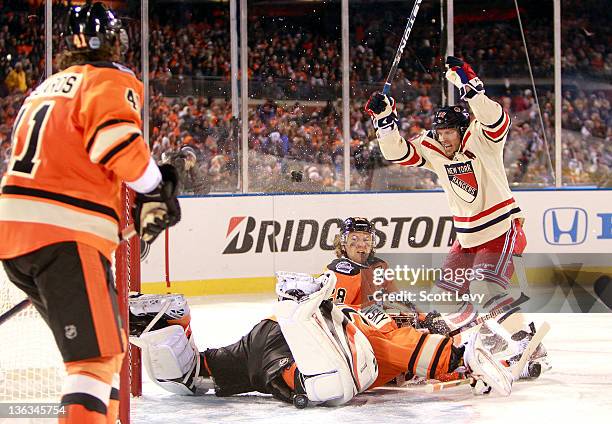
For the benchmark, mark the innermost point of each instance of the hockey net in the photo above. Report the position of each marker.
(30, 364)
(31, 367)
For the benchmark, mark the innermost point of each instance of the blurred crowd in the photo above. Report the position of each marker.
(295, 123)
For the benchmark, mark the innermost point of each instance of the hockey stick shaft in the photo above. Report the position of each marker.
(436, 387)
(14, 310)
(495, 312)
(402, 45)
(519, 268)
(531, 347)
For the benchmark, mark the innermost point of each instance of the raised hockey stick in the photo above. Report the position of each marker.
(495, 312)
(402, 45)
(14, 310)
(517, 369)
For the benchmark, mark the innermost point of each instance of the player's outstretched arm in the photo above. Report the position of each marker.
(394, 148)
(494, 120)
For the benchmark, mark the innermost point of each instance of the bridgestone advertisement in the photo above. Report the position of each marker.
(245, 237)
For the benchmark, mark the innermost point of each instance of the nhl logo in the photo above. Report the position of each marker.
(70, 331)
(463, 180)
(344, 267)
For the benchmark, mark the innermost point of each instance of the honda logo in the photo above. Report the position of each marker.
(565, 226)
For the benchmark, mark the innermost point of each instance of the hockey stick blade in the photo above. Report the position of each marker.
(402, 45)
(531, 347)
(495, 312)
(14, 310)
(603, 290)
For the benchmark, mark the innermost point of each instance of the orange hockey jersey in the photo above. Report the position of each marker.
(403, 350)
(355, 282)
(75, 139)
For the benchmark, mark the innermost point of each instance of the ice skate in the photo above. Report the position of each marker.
(154, 311)
(538, 362)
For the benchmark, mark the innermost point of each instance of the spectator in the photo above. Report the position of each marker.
(16, 80)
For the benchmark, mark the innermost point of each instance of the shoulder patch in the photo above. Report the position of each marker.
(344, 266)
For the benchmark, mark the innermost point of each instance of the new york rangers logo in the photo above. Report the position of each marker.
(463, 180)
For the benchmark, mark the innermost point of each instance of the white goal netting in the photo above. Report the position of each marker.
(31, 367)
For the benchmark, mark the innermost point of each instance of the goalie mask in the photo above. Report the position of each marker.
(456, 117)
(93, 26)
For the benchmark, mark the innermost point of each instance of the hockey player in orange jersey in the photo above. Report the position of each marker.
(76, 138)
(311, 351)
(354, 267)
(355, 264)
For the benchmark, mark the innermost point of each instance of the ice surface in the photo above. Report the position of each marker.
(577, 390)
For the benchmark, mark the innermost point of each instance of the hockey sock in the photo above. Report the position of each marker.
(113, 403)
(204, 370)
(87, 391)
(289, 376)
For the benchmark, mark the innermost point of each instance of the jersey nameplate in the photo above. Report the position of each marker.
(62, 85)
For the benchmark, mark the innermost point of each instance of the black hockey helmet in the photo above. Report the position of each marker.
(357, 224)
(92, 26)
(451, 117)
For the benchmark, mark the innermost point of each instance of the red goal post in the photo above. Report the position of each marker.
(127, 277)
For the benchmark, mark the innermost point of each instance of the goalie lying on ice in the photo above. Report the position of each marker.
(310, 351)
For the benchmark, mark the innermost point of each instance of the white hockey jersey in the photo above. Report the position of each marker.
(474, 180)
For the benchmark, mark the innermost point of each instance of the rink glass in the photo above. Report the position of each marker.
(295, 135)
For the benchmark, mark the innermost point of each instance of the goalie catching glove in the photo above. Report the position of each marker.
(463, 77)
(159, 209)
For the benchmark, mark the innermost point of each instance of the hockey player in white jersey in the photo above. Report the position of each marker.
(467, 157)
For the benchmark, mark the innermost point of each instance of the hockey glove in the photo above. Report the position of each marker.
(159, 209)
(463, 77)
(382, 110)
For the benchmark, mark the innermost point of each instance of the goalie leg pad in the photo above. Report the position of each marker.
(170, 358)
(335, 359)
